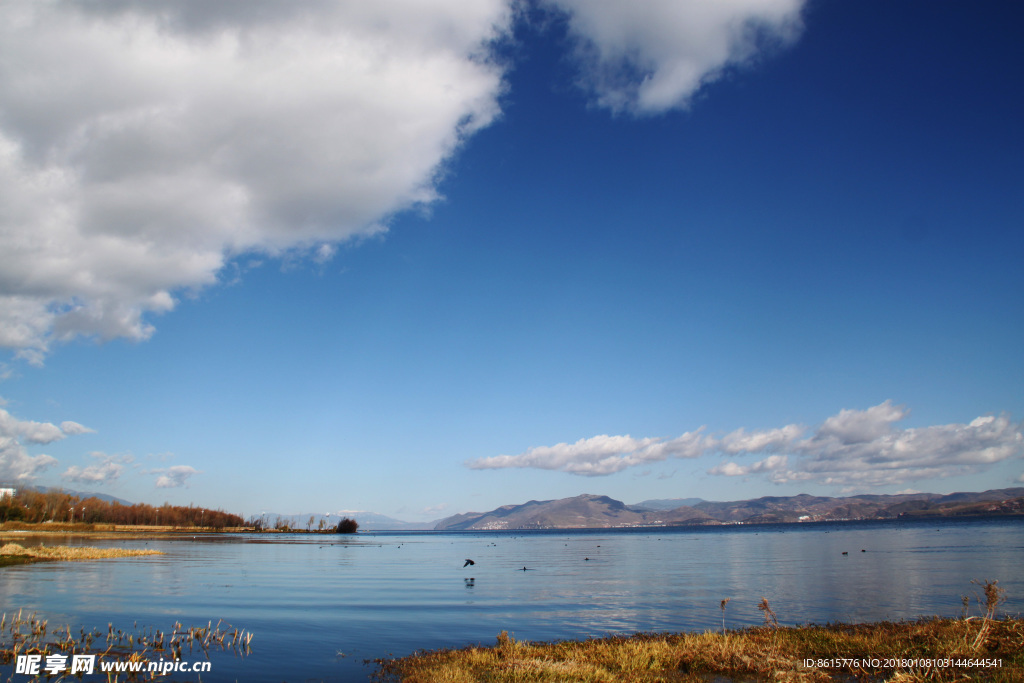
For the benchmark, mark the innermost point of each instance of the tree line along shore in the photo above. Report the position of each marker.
(30, 507)
(31, 510)
(55, 511)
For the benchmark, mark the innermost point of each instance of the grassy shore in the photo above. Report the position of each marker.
(978, 649)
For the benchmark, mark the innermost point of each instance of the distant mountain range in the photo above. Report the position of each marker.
(667, 503)
(590, 511)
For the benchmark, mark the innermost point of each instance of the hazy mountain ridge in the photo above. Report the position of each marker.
(80, 494)
(667, 503)
(597, 511)
(592, 511)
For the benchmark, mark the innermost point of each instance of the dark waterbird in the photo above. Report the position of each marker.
(468, 563)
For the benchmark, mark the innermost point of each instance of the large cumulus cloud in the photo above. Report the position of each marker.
(143, 145)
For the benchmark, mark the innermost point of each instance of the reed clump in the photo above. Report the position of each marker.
(63, 552)
(22, 634)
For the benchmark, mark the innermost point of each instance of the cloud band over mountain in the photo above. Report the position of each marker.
(854, 448)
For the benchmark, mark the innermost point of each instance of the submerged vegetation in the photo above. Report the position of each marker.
(980, 648)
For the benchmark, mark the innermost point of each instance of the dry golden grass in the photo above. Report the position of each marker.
(63, 552)
(759, 654)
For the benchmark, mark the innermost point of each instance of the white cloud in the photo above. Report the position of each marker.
(107, 469)
(71, 428)
(649, 56)
(15, 462)
(730, 469)
(873, 453)
(30, 431)
(38, 432)
(144, 145)
(860, 426)
(598, 455)
(17, 465)
(855, 448)
(742, 441)
(162, 457)
(174, 477)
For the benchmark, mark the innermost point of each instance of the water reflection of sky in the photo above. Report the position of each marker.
(307, 598)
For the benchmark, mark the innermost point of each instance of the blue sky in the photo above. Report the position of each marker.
(420, 260)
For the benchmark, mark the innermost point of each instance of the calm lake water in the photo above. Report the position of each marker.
(320, 605)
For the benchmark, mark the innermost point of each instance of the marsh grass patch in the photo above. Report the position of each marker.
(63, 552)
(766, 653)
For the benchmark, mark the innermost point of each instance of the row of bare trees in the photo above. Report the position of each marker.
(345, 526)
(28, 505)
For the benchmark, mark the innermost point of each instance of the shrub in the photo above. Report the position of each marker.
(347, 526)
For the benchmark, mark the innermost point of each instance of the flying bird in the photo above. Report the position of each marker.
(468, 563)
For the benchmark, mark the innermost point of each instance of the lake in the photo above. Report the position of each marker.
(319, 605)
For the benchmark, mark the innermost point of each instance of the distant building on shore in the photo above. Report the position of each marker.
(7, 493)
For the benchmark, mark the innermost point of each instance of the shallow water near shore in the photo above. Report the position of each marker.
(320, 605)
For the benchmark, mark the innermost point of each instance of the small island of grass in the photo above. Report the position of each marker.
(13, 553)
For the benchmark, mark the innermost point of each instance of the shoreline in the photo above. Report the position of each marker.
(933, 649)
(126, 530)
